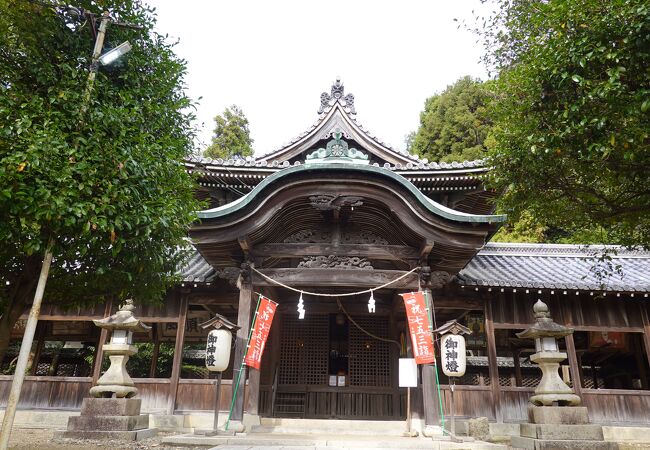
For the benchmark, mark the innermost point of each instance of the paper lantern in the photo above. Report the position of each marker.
(452, 355)
(217, 350)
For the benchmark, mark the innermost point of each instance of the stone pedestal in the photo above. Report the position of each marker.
(560, 428)
(551, 389)
(110, 418)
(116, 381)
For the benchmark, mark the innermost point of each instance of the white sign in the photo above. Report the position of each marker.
(408, 372)
(217, 350)
(453, 355)
(333, 380)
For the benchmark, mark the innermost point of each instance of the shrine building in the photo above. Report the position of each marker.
(337, 211)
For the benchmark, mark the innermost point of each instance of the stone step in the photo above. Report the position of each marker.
(333, 427)
(526, 443)
(324, 441)
(562, 432)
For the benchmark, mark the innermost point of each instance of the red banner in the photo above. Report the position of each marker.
(418, 319)
(263, 319)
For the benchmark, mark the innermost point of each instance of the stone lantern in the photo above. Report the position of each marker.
(556, 421)
(552, 390)
(116, 381)
(111, 412)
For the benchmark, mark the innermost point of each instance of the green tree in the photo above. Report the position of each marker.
(455, 123)
(106, 187)
(231, 135)
(572, 113)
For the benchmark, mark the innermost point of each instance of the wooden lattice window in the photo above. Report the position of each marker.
(369, 358)
(304, 350)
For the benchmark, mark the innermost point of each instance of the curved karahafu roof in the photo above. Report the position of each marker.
(458, 185)
(326, 169)
(370, 199)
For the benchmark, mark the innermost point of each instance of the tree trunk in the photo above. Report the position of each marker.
(9, 318)
(22, 289)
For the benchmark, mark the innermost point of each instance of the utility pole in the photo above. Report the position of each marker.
(32, 320)
(94, 62)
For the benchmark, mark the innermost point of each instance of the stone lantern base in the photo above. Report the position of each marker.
(110, 418)
(560, 427)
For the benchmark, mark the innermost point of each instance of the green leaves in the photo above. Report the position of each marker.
(573, 82)
(454, 124)
(110, 188)
(231, 135)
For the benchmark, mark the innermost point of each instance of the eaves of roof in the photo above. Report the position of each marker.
(426, 202)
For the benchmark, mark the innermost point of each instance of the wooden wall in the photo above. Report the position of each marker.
(69, 392)
(47, 392)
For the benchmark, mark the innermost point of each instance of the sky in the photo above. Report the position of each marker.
(274, 58)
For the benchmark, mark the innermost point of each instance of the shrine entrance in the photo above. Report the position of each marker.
(334, 228)
(333, 364)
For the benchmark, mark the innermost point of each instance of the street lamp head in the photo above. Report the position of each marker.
(112, 55)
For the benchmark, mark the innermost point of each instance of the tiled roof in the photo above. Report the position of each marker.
(548, 266)
(197, 270)
(250, 162)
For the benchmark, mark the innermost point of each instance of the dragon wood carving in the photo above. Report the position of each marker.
(336, 262)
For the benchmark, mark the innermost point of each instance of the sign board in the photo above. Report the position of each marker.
(408, 372)
(192, 328)
(607, 339)
(217, 350)
(418, 319)
(263, 318)
(453, 355)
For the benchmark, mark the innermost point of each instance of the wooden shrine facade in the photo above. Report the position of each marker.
(337, 211)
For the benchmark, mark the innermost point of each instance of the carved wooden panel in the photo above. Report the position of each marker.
(369, 358)
(304, 350)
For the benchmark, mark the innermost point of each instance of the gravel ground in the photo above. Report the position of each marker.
(44, 439)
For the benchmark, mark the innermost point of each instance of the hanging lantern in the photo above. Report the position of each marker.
(371, 303)
(301, 309)
(217, 350)
(452, 348)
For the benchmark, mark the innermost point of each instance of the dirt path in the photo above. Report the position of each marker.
(43, 439)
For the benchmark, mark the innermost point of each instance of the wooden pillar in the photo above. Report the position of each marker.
(492, 361)
(39, 348)
(155, 352)
(430, 399)
(515, 359)
(274, 354)
(99, 351)
(254, 392)
(393, 354)
(574, 367)
(638, 355)
(646, 329)
(178, 352)
(244, 312)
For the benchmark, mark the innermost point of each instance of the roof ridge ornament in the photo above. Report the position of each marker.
(337, 150)
(337, 94)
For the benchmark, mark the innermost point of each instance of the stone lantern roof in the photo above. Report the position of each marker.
(123, 320)
(544, 326)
